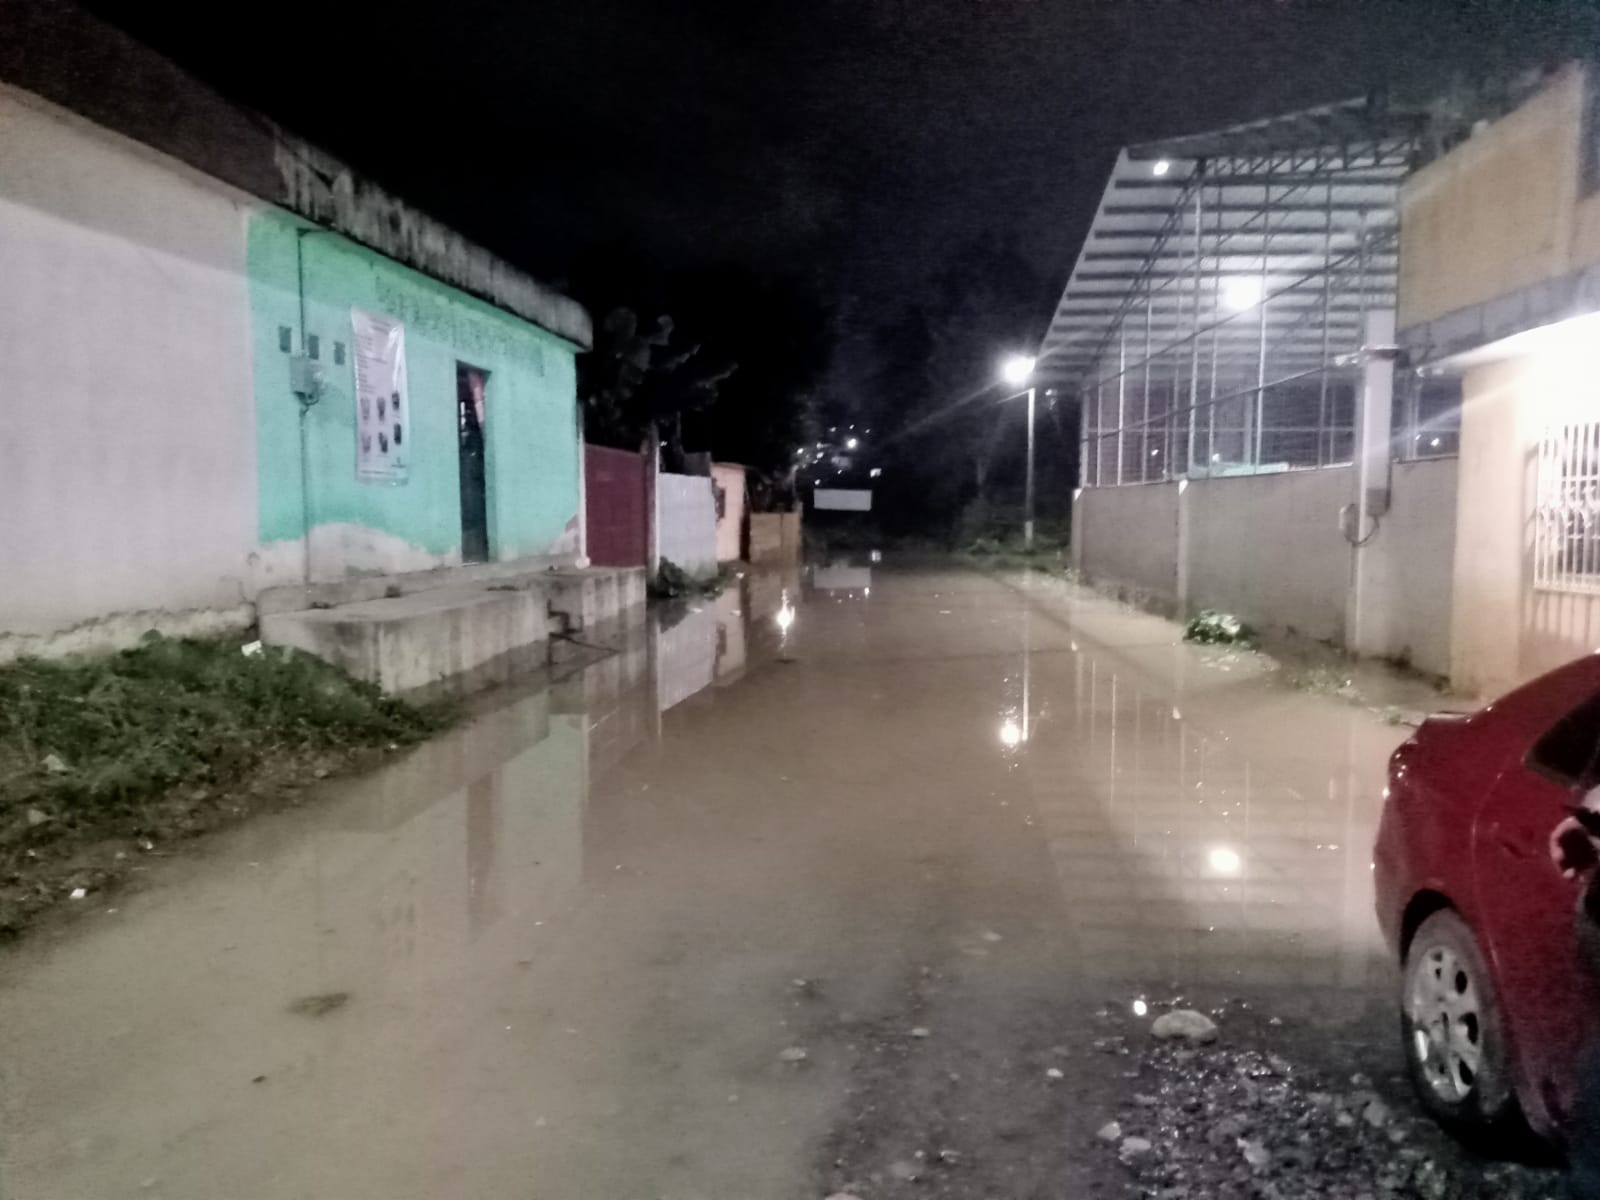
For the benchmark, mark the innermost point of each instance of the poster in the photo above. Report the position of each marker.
(383, 408)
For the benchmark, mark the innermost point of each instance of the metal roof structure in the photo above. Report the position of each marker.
(1231, 262)
(1272, 202)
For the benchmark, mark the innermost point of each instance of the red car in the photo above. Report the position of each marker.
(1496, 1003)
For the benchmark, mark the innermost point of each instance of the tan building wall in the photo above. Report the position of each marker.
(1501, 211)
(728, 479)
(775, 537)
(1505, 631)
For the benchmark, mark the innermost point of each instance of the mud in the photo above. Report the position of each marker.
(937, 831)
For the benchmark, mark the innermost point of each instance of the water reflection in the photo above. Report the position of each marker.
(1183, 855)
(695, 644)
(842, 575)
(568, 928)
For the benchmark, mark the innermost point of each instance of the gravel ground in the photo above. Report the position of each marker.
(1226, 1120)
(992, 1109)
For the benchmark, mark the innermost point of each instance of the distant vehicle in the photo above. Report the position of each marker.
(1496, 1002)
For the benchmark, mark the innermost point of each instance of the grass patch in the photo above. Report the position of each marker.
(672, 582)
(148, 743)
(1211, 628)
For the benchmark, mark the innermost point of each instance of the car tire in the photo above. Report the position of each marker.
(1454, 1040)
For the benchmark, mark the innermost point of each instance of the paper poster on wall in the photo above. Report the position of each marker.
(383, 407)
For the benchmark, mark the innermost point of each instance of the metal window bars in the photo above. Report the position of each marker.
(1566, 537)
(1213, 321)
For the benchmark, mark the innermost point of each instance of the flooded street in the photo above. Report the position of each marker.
(844, 878)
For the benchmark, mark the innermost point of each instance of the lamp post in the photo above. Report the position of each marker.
(1017, 369)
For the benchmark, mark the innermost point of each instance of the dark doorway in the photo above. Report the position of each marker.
(472, 384)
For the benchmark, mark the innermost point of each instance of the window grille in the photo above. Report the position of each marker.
(1566, 553)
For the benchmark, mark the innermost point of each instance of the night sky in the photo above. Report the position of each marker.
(858, 141)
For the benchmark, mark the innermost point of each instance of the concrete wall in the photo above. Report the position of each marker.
(1268, 547)
(1130, 535)
(1502, 211)
(728, 479)
(775, 537)
(1505, 632)
(1408, 566)
(127, 436)
(686, 522)
(360, 527)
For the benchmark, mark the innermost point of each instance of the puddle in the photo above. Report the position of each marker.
(567, 936)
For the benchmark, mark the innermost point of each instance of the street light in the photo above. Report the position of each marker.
(1017, 369)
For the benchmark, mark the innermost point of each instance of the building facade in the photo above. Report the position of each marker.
(1403, 452)
(230, 364)
(1499, 289)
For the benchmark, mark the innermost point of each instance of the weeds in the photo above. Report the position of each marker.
(132, 744)
(672, 582)
(1211, 628)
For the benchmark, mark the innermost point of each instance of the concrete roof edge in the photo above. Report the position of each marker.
(59, 51)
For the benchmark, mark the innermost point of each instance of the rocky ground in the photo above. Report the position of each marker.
(1235, 1106)
(1225, 1119)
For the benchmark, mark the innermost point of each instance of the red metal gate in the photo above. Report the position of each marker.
(618, 507)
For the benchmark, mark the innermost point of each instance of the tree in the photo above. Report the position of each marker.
(635, 380)
(933, 390)
(732, 376)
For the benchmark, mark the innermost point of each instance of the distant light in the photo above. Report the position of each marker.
(1010, 734)
(1241, 292)
(851, 443)
(1225, 860)
(785, 617)
(1017, 369)
(1160, 167)
(875, 472)
(1216, 458)
(1434, 442)
(876, 556)
(1140, 1008)
(1154, 453)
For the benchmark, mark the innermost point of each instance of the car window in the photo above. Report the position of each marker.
(1570, 752)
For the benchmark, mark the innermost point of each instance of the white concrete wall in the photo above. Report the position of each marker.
(1407, 567)
(686, 522)
(1268, 547)
(127, 417)
(1129, 536)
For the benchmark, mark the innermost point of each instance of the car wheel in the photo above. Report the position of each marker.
(1454, 1042)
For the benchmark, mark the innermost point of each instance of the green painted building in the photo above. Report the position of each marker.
(236, 365)
(460, 353)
